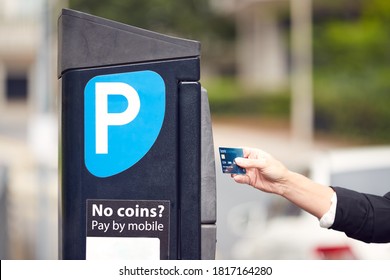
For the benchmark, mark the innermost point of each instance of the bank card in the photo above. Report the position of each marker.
(228, 163)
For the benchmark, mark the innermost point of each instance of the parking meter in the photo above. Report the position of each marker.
(137, 173)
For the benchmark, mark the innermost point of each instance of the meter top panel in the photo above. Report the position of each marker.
(88, 41)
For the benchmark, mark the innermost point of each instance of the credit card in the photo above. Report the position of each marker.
(228, 163)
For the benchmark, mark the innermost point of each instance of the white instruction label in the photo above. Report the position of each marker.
(127, 229)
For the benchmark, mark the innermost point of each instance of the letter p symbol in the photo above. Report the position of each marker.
(104, 118)
(118, 130)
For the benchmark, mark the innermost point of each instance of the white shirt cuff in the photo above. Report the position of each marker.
(327, 219)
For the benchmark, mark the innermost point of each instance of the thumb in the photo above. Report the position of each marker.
(251, 163)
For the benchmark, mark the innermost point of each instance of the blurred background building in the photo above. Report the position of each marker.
(261, 51)
(28, 129)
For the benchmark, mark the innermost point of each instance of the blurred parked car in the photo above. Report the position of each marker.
(297, 234)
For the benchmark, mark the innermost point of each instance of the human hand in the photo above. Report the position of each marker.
(262, 171)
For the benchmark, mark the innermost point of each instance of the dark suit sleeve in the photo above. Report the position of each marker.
(362, 216)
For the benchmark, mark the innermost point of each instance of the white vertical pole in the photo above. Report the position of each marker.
(301, 81)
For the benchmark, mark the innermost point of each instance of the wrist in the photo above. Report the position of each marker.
(308, 195)
(287, 184)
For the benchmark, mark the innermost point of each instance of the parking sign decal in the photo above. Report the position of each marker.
(123, 116)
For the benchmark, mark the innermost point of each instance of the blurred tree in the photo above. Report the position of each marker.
(378, 10)
(186, 18)
(358, 43)
(351, 68)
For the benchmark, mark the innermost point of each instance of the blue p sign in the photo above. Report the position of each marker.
(123, 116)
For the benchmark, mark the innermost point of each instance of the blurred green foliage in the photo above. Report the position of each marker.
(228, 98)
(352, 73)
(193, 19)
(190, 19)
